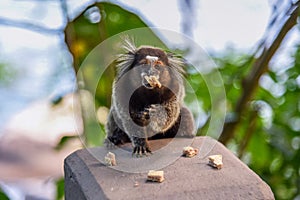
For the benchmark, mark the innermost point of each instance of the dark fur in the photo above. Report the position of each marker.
(137, 112)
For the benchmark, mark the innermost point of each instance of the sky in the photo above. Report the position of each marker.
(217, 23)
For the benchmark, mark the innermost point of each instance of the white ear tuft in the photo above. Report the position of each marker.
(129, 45)
(177, 63)
(126, 59)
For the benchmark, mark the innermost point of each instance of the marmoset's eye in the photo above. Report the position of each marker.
(143, 62)
(159, 62)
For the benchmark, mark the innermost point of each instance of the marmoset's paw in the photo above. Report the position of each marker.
(140, 147)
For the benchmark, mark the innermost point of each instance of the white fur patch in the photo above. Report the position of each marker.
(152, 58)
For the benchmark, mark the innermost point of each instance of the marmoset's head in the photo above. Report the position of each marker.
(150, 67)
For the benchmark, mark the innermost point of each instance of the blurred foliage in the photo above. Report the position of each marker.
(7, 74)
(3, 195)
(84, 33)
(63, 141)
(267, 137)
(60, 185)
(273, 147)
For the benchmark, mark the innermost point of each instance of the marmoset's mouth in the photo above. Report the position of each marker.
(146, 84)
(151, 81)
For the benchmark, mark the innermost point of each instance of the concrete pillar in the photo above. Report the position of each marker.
(86, 177)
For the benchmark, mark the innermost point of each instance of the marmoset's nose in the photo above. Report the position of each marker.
(152, 59)
(153, 62)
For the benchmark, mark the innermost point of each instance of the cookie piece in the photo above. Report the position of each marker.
(215, 161)
(189, 151)
(153, 81)
(110, 159)
(156, 176)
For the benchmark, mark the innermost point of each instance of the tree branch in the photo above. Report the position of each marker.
(30, 26)
(249, 132)
(260, 66)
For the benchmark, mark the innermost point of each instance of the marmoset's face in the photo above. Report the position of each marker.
(151, 65)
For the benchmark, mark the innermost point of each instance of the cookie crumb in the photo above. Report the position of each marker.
(110, 159)
(156, 176)
(215, 161)
(189, 151)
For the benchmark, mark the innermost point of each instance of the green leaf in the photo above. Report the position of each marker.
(63, 141)
(60, 185)
(3, 196)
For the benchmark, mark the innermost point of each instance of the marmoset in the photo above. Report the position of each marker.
(148, 99)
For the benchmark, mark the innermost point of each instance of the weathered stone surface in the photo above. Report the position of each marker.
(185, 178)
